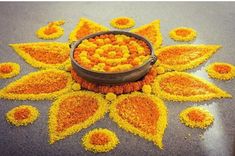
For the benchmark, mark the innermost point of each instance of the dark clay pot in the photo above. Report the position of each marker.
(113, 77)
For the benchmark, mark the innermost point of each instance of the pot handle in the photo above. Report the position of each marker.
(153, 59)
(72, 44)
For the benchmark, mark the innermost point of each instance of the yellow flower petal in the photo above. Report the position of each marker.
(100, 140)
(73, 112)
(44, 54)
(44, 84)
(141, 114)
(9, 70)
(180, 86)
(182, 57)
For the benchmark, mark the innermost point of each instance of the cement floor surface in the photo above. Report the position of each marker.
(215, 25)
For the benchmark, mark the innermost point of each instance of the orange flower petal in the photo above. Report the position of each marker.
(182, 57)
(44, 55)
(179, 86)
(45, 84)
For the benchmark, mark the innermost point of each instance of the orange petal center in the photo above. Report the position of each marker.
(99, 138)
(141, 112)
(87, 29)
(21, 114)
(196, 115)
(75, 110)
(222, 69)
(122, 21)
(183, 32)
(41, 83)
(184, 86)
(5, 69)
(51, 29)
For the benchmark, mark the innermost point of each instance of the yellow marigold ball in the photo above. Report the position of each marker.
(160, 70)
(76, 86)
(111, 96)
(147, 89)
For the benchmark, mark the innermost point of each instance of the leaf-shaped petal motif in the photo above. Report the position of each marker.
(44, 84)
(182, 57)
(141, 114)
(85, 27)
(151, 32)
(44, 54)
(73, 112)
(180, 86)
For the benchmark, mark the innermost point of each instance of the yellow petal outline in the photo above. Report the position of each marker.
(64, 50)
(173, 35)
(15, 70)
(54, 110)
(214, 74)
(209, 118)
(34, 113)
(131, 23)
(82, 21)
(161, 123)
(59, 31)
(157, 90)
(156, 24)
(190, 63)
(100, 148)
(5, 95)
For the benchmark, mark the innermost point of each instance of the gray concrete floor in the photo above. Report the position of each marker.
(215, 25)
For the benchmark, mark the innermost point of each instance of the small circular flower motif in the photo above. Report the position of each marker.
(9, 69)
(221, 71)
(22, 115)
(122, 22)
(183, 34)
(51, 31)
(196, 117)
(100, 140)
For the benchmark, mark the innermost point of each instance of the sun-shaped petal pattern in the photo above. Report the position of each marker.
(73, 112)
(122, 22)
(85, 27)
(44, 84)
(9, 70)
(196, 117)
(221, 71)
(51, 31)
(100, 140)
(22, 115)
(182, 57)
(141, 114)
(151, 32)
(180, 86)
(183, 34)
(44, 54)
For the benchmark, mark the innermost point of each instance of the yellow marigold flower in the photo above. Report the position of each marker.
(9, 70)
(76, 87)
(111, 96)
(100, 140)
(22, 115)
(196, 117)
(160, 70)
(147, 89)
(51, 31)
(183, 34)
(122, 22)
(221, 71)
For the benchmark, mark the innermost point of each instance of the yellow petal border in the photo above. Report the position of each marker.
(15, 70)
(43, 96)
(161, 124)
(213, 74)
(130, 24)
(190, 37)
(52, 122)
(191, 64)
(196, 98)
(100, 148)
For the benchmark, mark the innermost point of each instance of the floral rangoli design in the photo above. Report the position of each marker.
(9, 70)
(79, 103)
